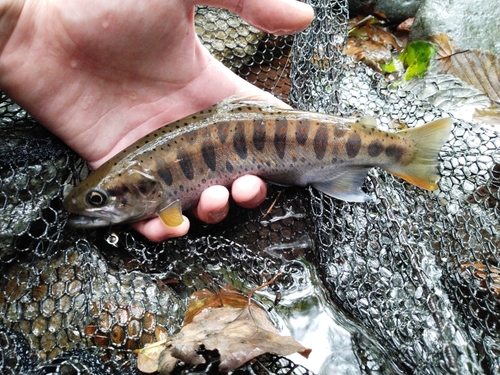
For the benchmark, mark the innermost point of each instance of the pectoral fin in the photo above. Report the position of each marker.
(346, 187)
(171, 215)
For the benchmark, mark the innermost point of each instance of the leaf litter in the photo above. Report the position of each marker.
(385, 48)
(226, 321)
(481, 69)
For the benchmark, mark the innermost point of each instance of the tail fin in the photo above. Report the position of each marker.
(428, 140)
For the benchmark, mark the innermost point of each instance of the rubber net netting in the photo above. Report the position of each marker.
(413, 277)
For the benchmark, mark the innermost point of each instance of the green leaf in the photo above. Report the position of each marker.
(417, 57)
(394, 66)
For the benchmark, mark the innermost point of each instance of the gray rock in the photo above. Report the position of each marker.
(471, 24)
(396, 11)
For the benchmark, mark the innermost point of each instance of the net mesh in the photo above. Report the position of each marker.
(413, 275)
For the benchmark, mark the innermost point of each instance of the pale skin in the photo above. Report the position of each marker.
(102, 74)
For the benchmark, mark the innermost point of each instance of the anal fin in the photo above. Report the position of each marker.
(171, 215)
(346, 187)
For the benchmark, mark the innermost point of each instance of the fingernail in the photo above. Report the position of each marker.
(219, 215)
(257, 199)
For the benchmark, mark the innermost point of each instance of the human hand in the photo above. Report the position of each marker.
(101, 75)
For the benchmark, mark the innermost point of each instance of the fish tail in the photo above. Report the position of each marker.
(422, 168)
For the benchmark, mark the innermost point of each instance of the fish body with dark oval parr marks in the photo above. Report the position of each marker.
(166, 171)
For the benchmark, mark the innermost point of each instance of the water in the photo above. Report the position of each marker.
(305, 313)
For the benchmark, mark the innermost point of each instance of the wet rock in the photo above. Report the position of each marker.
(395, 11)
(471, 24)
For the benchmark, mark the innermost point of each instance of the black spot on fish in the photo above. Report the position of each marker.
(375, 148)
(320, 142)
(117, 191)
(145, 186)
(165, 175)
(280, 137)
(222, 130)
(339, 131)
(229, 166)
(302, 132)
(239, 141)
(208, 152)
(181, 187)
(185, 164)
(353, 145)
(394, 151)
(259, 134)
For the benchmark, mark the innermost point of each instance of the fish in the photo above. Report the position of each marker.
(165, 172)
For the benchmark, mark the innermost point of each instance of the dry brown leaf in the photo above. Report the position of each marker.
(204, 298)
(149, 356)
(372, 43)
(478, 68)
(239, 334)
(489, 115)
(406, 25)
(226, 321)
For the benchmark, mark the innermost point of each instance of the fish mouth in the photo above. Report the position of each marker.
(80, 221)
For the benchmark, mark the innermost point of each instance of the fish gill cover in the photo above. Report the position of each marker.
(413, 276)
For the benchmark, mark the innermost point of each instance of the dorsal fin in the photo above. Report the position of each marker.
(368, 121)
(251, 98)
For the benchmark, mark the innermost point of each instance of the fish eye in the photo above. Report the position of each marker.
(96, 198)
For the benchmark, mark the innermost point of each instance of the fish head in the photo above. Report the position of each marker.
(128, 195)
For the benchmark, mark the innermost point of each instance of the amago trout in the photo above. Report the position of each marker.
(169, 168)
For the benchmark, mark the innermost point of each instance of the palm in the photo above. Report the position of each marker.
(112, 68)
(101, 74)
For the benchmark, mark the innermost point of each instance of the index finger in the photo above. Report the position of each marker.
(277, 17)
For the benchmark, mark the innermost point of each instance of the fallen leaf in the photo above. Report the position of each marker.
(371, 42)
(417, 57)
(406, 25)
(478, 68)
(149, 356)
(204, 298)
(489, 115)
(226, 321)
(239, 334)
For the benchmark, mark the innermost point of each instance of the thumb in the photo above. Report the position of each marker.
(277, 17)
